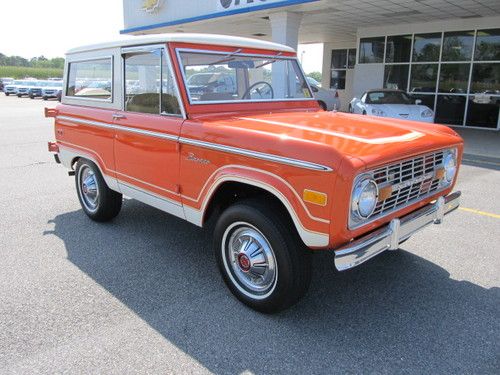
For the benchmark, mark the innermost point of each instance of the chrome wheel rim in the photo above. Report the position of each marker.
(89, 188)
(249, 260)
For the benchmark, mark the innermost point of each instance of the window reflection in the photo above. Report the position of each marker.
(450, 109)
(396, 77)
(457, 46)
(426, 47)
(483, 111)
(454, 78)
(486, 78)
(488, 45)
(371, 50)
(398, 48)
(423, 78)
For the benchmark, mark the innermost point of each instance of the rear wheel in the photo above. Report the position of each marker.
(322, 105)
(98, 201)
(44, 98)
(261, 257)
(7, 94)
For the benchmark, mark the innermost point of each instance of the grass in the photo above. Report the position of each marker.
(22, 72)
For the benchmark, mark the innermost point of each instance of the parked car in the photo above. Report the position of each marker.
(35, 91)
(328, 99)
(5, 81)
(11, 88)
(276, 177)
(52, 90)
(25, 88)
(391, 103)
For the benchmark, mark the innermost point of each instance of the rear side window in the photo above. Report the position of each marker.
(90, 79)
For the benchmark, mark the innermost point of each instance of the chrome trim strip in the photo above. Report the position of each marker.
(212, 146)
(274, 57)
(390, 236)
(256, 155)
(107, 125)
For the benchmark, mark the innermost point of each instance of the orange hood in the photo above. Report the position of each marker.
(325, 137)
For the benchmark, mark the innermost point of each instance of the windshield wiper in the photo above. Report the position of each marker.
(267, 62)
(226, 58)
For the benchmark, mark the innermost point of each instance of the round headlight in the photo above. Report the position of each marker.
(450, 166)
(364, 198)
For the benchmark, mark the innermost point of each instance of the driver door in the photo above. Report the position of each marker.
(148, 128)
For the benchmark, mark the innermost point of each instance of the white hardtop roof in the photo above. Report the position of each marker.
(212, 39)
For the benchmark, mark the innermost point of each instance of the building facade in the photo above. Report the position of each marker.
(446, 55)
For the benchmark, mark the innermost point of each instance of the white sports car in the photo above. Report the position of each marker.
(391, 103)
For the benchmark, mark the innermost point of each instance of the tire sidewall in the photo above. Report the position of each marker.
(284, 277)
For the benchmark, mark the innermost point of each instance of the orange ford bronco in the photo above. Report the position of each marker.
(225, 130)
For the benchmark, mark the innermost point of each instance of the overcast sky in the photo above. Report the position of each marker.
(32, 28)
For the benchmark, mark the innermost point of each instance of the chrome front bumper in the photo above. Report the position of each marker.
(390, 236)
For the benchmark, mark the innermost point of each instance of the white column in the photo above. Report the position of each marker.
(285, 30)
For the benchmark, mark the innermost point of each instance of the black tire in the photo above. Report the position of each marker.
(350, 109)
(32, 97)
(44, 98)
(18, 95)
(7, 94)
(107, 204)
(322, 105)
(364, 112)
(292, 259)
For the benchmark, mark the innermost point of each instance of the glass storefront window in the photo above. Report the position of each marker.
(426, 47)
(371, 50)
(454, 78)
(396, 77)
(488, 45)
(450, 109)
(486, 78)
(483, 111)
(423, 77)
(457, 46)
(398, 48)
(337, 79)
(339, 58)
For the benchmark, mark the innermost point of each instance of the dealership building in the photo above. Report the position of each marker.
(445, 53)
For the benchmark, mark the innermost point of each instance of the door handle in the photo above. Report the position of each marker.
(118, 116)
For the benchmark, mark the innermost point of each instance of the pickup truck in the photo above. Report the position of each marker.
(275, 177)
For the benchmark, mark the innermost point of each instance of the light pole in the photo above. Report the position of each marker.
(302, 57)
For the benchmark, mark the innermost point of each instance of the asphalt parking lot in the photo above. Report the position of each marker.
(142, 293)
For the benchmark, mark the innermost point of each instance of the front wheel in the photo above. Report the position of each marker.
(7, 94)
(98, 201)
(261, 258)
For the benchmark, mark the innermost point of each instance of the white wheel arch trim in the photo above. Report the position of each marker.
(310, 238)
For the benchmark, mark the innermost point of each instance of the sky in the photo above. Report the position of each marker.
(51, 27)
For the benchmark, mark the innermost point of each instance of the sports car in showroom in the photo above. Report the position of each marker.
(391, 103)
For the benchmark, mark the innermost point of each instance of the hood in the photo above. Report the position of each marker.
(374, 140)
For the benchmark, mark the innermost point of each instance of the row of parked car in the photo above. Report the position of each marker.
(32, 88)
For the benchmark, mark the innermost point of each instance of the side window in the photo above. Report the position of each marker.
(149, 84)
(90, 79)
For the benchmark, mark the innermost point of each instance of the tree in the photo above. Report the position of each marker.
(315, 75)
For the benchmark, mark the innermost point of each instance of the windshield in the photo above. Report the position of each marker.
(387, 97)
(219, 77)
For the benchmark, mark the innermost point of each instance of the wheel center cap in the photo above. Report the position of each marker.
(244, 262)
(85, 189)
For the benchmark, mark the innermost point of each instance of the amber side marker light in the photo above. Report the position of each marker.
(314, 197)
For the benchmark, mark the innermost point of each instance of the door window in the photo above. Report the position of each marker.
(149, 84)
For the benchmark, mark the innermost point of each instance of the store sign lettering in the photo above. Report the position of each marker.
(226, 4)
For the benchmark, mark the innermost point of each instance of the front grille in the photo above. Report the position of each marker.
(49, 92)
(411, 180)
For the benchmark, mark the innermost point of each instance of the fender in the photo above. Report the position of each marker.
(312, 230)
